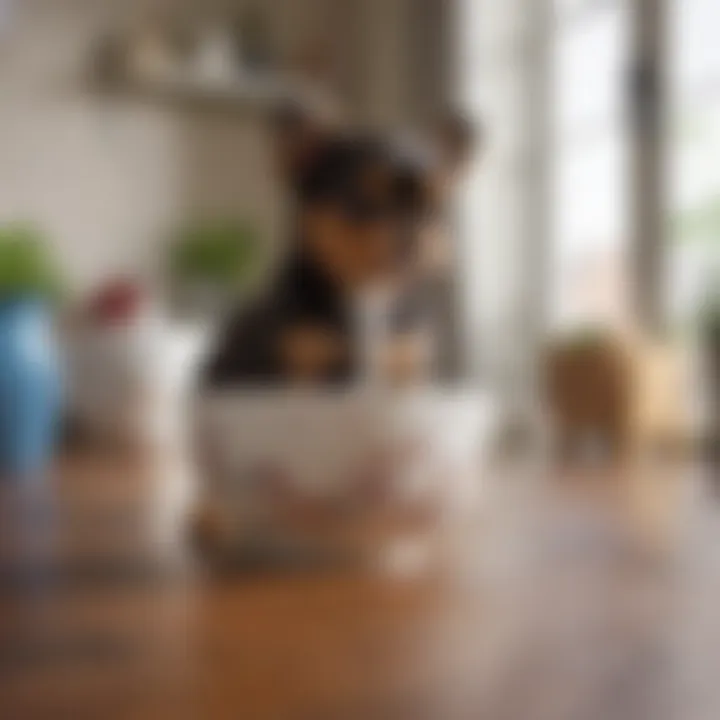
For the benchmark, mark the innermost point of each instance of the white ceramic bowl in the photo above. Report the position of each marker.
(290, 466)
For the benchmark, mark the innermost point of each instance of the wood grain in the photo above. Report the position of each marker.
(559, 605)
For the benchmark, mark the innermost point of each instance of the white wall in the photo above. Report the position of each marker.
(405, 48)
(107, 178)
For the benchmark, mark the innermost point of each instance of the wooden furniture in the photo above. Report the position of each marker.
(588, 387)
(103, 616)
(629, 393)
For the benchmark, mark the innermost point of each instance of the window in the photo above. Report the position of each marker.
(694, 237)
(590, 187)
(496, 42)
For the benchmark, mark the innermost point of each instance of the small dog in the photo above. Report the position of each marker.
(362, 205)
(349, 301)
(358, 208)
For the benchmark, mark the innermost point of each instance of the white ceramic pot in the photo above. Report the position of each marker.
(288, 465)
(113, 378)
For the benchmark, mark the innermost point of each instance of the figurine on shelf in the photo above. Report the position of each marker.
(214, 56)
(151, 53)
(253, 42)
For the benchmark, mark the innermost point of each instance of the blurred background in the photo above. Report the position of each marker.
(134, 145)
(138, 202)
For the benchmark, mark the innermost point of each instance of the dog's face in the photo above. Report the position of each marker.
(363, 203)
(356, 253)
(360, 210)
(351, 224)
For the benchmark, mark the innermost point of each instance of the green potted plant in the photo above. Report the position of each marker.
(29, 376)
(26, 265)
(212, 262)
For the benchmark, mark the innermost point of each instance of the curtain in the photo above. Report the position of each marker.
(503, 80)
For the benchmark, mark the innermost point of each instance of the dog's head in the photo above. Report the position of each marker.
(360, 204)
(362, 200)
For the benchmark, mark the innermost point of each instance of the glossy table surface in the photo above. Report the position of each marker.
(573, 595)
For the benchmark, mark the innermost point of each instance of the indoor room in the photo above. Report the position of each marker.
(359, 359)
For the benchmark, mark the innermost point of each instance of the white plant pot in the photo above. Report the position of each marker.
(365, 453)
(114, 375)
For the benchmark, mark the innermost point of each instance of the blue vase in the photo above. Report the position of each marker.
(29, 389)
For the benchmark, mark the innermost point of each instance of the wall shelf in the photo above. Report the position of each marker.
(258, 93)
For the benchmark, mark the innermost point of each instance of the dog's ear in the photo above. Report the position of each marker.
(298, 134)
(457, 138)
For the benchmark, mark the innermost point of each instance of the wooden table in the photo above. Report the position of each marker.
(577, 597)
